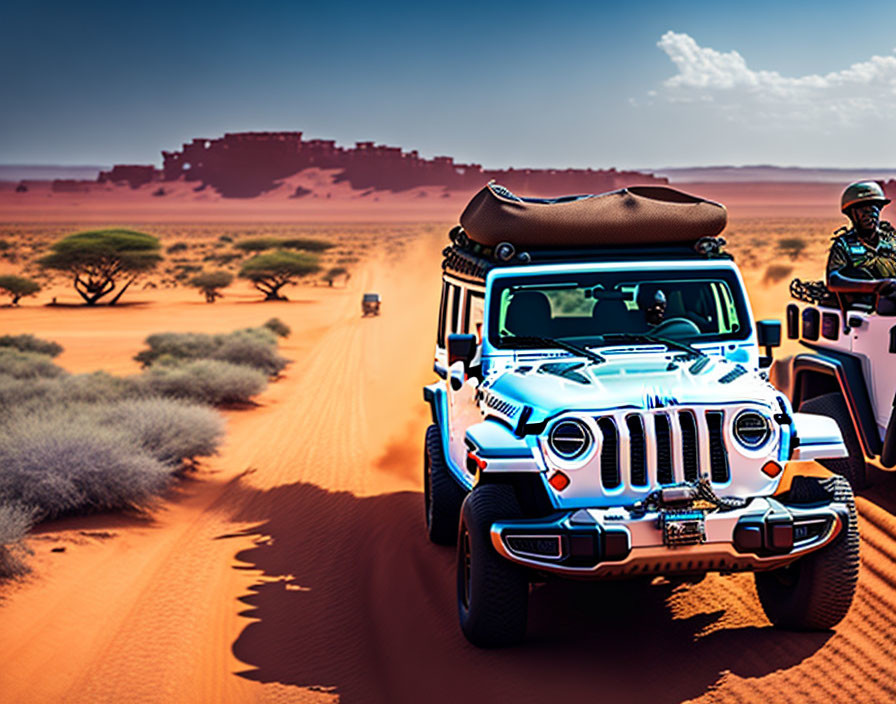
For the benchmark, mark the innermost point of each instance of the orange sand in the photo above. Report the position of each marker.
(294, 566)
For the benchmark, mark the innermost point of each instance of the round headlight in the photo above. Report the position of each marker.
(752, 429)
(570, 439)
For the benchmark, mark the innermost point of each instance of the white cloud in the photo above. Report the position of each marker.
(864, 91)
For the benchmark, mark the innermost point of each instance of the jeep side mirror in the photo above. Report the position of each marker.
(461, 348)
(768, 335)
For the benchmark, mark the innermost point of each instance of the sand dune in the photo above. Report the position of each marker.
(294, 566)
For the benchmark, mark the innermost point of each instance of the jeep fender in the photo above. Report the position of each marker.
(824, 371)
(434, 395)
(499, 456)
(819, 437)
(497, 448)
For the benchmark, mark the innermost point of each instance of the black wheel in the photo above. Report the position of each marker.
(816, 591)
(492, 593)
(853, 466)
(442, 496)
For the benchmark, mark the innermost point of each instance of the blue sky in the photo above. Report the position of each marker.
(649, 84)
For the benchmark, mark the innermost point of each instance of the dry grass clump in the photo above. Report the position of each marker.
(174, 432)
(27, 365)
(58, 465)
(22, 395)
(792, 246)
(15, 521)
(253, 347)
(278, 327)
(210, 381)
(81, 443)
(30, 343)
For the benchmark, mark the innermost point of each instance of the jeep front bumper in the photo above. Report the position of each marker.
(595, 543)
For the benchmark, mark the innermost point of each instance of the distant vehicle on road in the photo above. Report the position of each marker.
(370, 304)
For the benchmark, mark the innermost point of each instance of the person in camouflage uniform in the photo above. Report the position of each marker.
(862, 259)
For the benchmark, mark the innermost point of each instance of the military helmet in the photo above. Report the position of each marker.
(862, 192)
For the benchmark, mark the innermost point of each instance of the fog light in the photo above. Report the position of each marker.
(559, 481)
(772, 469)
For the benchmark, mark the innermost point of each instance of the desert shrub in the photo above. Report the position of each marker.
(222, 258)
(792, 246)
(4, 246)
(208, 282)
(18, 287)
(254, 347)
(17, 394)
(775, 272)
(336, 272)
(15, 521)
(305, 244)
(177, 247)
(27, 365)
(30, 343)
(97, 387)
(261, 244)
(225, 238)
(278, 327)
(179, 345)
(208, 381)
(44, 394)
(173, 431)
(60, 465)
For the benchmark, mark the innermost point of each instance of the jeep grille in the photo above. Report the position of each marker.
(691, 435)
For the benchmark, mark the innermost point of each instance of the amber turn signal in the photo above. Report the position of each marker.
(559, 481)
(772, 468)
(477, 460)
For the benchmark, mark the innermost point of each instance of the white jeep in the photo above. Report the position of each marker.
(845, 373)
(578, 431)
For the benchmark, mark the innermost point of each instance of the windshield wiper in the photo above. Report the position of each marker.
(530, 340)
(647, 337)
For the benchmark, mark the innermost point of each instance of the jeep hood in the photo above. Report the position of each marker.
(638, 382)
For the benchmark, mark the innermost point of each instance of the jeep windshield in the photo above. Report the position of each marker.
(613, 308)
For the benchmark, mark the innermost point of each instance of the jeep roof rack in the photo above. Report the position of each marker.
(471, 259)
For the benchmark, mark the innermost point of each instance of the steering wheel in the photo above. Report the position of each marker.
(676, 328)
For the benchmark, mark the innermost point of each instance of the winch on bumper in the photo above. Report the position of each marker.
(669, 539)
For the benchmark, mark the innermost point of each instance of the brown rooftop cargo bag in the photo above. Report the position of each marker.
(630, 216)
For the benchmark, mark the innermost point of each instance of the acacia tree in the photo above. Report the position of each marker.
(99, 258)
(18, 287)
(272, 271)
(210, 281)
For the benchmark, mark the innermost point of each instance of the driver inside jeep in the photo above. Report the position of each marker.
(862, 261)
(594, 308)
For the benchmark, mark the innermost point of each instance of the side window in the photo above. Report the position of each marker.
(474, 314)
(455, 308)
(440, 333)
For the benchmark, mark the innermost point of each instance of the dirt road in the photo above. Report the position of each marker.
(294, 567)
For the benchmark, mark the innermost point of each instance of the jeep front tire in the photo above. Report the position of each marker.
(492, 592)
(816, 591)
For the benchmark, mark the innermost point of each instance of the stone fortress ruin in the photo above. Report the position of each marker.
(246, 164)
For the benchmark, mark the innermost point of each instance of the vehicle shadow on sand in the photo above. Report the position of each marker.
(357, 602)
